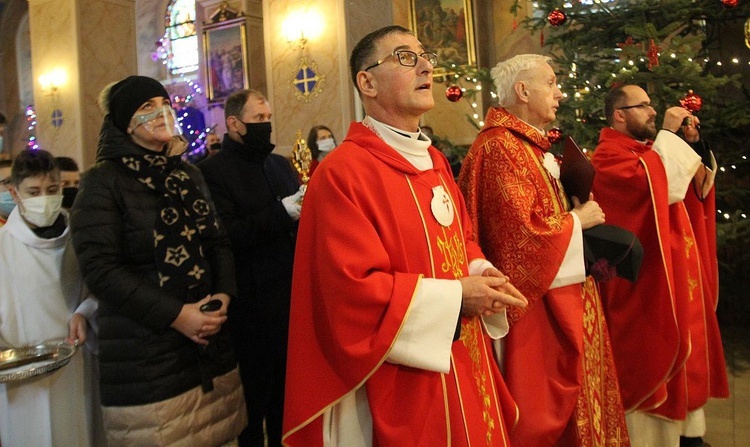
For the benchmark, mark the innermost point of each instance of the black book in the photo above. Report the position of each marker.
(576, 172)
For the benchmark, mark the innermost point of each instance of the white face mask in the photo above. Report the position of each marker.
(41, 211)
(326, 145)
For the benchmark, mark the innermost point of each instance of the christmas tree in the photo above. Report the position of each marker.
(663, 46)
(671, 48)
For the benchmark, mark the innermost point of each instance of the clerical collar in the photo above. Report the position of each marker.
(413, 146)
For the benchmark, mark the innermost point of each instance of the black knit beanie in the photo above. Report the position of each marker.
(128, 95)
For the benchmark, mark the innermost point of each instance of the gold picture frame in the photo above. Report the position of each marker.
(225, 53)
(445, 27)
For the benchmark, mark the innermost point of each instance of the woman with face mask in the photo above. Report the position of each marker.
(151, 249)
(321, 142)
(40, 290)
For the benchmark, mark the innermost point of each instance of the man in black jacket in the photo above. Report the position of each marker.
(258, 199)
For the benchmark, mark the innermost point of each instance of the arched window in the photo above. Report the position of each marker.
(183, 41)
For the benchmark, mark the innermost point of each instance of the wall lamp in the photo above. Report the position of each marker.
(301, 26)
(52, 81)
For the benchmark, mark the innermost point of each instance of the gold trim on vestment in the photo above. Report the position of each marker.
(493, 385)
(553, 192)
(366, 377)
(424, 224)
(663, 380)
(446, 406)
(692, 284)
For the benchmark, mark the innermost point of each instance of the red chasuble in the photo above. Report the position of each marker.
(558, 360)
(367, 237)
(664, 330)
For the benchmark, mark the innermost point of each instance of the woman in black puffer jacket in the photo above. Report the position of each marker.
(152, 251)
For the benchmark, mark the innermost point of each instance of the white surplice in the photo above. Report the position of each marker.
(40, 288)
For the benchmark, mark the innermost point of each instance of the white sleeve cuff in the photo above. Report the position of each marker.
(88, 308)
(426, 336)
(572, 269)
(496, 325)
(680, 163)
(479, 265)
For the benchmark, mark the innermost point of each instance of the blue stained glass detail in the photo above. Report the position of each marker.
(57, 118)
(306, 80)
(180, 24)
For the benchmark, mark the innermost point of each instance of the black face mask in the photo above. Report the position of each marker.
(69, 195)
(215, 146)
(258, 139)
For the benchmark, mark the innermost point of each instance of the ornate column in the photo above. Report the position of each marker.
(78, 46)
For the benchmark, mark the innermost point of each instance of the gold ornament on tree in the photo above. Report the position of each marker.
(747, 33)
(301, 158)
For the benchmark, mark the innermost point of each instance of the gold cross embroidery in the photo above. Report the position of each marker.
(617, 440)
(689, 243)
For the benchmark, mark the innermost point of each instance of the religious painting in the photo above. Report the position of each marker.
(446, 28)
(225, 52)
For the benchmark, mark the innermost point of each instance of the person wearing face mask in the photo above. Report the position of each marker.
(152, 250)
(6, 200)
(70, 178)
(40, 290)
(213, 144)
(259, 200)
(321, 142)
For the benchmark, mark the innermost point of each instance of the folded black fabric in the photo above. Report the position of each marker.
(611, 251)
(701, 148)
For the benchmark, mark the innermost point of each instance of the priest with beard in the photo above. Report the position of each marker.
(660, 185)
(258, 199)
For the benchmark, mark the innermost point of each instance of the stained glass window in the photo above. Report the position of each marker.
(183, 41)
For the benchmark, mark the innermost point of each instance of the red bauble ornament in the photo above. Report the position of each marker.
(557, 17)
(653, 55)
(692, 102)
(454, 93)
(730, 3)
(554, 135)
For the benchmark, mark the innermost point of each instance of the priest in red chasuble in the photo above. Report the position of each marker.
(557, 358)
(393, 303)
(664, 330)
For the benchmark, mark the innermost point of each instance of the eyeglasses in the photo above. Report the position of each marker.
(642, 106)
(407, 58)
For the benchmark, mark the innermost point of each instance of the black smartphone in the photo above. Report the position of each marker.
(211, 306)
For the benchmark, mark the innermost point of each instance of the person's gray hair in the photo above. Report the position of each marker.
(506, 73)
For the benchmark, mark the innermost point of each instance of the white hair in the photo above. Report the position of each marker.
(506, 73)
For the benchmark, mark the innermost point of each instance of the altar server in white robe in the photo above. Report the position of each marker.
(40, 290)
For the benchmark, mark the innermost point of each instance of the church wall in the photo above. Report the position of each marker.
(53, 40)
(102, 60)
(341, 25)
(14, 15)
(91, 43)
(272, 62)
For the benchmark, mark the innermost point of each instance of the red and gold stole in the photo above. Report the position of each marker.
(477, 402)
